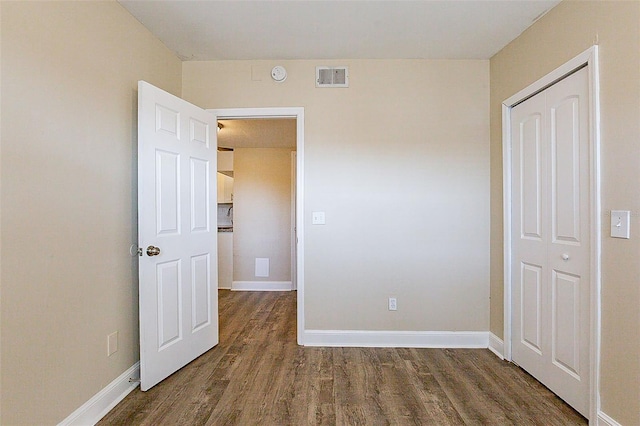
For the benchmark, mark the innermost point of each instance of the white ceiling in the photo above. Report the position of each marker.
(333, 29)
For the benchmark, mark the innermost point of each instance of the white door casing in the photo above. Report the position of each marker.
(551, 238)
(177, 165)
(298, 114)
(294, 255)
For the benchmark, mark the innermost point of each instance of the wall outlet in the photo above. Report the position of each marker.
(112, 343)
(393, 304)
(317, 218)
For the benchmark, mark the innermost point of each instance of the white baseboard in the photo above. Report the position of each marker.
(496, 345)
(604, 420)
(97, 407)
(261, 286)
(224, 288)
(397, 339)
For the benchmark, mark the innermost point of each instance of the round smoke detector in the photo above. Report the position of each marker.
(279, 74)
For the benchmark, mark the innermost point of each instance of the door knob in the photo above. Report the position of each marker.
(153, 251)
(565, 256)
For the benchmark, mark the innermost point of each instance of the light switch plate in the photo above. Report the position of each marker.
(620, 223)
(317, 218)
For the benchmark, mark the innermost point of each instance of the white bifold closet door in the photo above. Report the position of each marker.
(551, 238)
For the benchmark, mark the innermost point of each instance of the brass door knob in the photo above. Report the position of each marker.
(153, 251)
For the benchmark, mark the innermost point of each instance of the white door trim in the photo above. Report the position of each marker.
(294, 284)
(298, 114)
(587, 58)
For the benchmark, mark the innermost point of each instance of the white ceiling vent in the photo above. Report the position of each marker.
(332, 77)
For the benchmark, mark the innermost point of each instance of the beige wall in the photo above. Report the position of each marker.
(399, 162)
(569, 29)
(69, 81)
(262, 212)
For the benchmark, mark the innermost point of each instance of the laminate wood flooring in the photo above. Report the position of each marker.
(258, 375)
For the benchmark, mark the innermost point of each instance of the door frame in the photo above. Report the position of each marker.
(588, 58)
(298, 114)
(294, 251)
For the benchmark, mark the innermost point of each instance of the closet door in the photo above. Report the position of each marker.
(551, 238)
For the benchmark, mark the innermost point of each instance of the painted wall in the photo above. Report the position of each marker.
(262, 212)
(399, 162)
(567, 30)
(69, 105)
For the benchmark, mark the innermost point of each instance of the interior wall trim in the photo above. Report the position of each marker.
(261, 286)
(605, 420)
(496, 345)
(397, 339)
(101, 403)
(298, 114)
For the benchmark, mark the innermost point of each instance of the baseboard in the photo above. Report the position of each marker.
(496, 345)
(397, 339)
(97, 407)
(224, 288)
(604, 420)
(261, 286)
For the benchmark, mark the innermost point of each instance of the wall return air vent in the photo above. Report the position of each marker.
(332, 77)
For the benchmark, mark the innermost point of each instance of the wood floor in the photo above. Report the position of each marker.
(258, 375)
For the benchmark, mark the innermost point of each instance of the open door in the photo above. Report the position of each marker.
(177, 233)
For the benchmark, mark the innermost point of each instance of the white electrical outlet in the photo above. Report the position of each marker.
(112, 343)
(317, 218)
(393, 304)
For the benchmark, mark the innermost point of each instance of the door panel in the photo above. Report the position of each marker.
(178, 282)
(530, 231)
(201, 277)
(565, 176)
(566, 323)
(531, 175)
(551, 238)
(169, 303)
(167, 193)
(531, 303)
(199, 132)
(200, 182)
(167, 121)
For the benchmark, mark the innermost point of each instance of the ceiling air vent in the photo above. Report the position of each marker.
(332, 77)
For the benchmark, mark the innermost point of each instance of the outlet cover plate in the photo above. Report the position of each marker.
(393, 304)
(112, 343)
(317, 218)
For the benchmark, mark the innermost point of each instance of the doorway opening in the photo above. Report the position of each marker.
(268, 147)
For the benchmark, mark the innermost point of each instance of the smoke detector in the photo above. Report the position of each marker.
(279, 73)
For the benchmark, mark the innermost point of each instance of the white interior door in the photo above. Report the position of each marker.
(551, 238)
(177, 232)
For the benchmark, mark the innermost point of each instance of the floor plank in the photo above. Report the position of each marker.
(259, 375)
